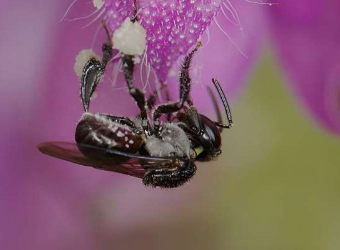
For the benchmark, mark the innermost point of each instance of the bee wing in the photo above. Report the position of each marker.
(109, 160)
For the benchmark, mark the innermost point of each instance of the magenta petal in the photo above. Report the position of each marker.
(221, 58)
(307, 40)
(172, 26)
(116, 12)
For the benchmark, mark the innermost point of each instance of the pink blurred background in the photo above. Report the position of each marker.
(272, 179)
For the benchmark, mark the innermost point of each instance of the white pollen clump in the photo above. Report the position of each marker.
(81, 59)
(98, 3)
(130, 38)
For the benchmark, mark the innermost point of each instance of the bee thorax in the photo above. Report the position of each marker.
(172, 142)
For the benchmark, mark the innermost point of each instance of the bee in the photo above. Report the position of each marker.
(162, 152)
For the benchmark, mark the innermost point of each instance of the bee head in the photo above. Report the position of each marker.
(203, 133)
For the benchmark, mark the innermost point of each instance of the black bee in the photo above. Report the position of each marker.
(163, 154)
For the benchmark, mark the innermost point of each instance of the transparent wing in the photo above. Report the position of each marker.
(109, 160)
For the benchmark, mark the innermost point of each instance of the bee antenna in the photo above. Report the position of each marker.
(225, 104)
(216, 107)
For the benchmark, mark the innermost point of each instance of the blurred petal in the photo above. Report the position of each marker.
(140, 216)
(42, 199)
(307, 38)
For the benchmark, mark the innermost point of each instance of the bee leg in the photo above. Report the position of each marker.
(135, 11)
(152, 99)
(91, 76)
(137, 94)
(184, 92)
(94, 70)
(166, 178)
(107, 48)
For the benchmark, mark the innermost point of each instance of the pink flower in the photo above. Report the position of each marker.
(306, 38)
(173, 27)
(46, 203)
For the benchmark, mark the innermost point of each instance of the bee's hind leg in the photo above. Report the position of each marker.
(169, 178)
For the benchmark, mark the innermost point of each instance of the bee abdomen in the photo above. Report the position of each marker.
(98, 130)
